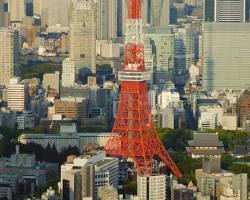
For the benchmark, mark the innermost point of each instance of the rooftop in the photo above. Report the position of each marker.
(205, 140)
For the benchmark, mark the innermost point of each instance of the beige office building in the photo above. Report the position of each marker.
(52, 81)
(17, 95)
(160, 12)
(82, 35)
(17, 9)
(152, 187)
(7, 55)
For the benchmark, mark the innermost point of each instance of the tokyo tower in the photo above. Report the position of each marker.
(134, 135)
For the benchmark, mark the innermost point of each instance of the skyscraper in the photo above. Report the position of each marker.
(68, 73)
(226, 10)
(146, 6)
(7, 54)
(226, 56)
(106, 22)
(162, 42)
(184, 51)
(17, 9)
(1, 5)
(160, 12)
(58, 12)
(82, 36)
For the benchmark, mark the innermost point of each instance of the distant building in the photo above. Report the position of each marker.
(106, 22)
(243, 107)
(159, 41)
(50, 194)
(23, 170)
(184, 52)
(81, 177)
(71, 109)
(107, 193)
(8, 118)
(219, 61)
(160, 13)
(65, 139)
(52, 81)
(152, 187)
(82, 36)
(226, 10)
(8, 54)
(25, 120)
(68, 73)
(214, 185)
(205, 144)
(17, 9)
(5, 190)
(17, 95)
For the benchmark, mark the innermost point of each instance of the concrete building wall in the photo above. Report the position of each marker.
(226, 56)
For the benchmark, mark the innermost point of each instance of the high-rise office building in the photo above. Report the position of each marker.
(82, 36)
(17, 95)
(152, 187)
(226, 56)
(1, 5)
(8, 54)
(68, 73)
(184, 51)
(52, 12)
(226, 10)
(17, 9)
(160, 12)
(37, 7)
(58, 12)
(106, 22)
(161, 41)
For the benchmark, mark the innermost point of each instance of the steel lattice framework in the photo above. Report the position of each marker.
(134, 135)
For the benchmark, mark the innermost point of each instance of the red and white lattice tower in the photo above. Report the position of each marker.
(134, 135)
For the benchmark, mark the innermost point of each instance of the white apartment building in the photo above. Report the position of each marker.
(105, 172)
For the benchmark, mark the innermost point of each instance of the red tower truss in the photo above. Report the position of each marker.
(134, 135)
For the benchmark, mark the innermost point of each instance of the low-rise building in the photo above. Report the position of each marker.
(62, 141)
(23, 170)
(81, 177)
(205, 144)
(25, 120)
(5, 190)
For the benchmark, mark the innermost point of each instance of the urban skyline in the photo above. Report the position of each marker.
(124, 99)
